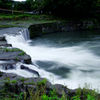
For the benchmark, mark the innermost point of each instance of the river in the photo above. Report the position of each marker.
(68, 58)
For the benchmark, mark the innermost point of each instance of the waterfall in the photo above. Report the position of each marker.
(23, 36)
(78, 63)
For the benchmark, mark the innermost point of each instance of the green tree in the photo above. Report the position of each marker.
(69, 7)
(19, 6)
(6, 4)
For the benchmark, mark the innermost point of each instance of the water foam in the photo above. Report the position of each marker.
(82, 62)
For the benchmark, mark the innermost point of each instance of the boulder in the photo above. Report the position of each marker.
(60, 89)
(30, 70)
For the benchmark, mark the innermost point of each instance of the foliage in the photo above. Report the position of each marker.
(73, 7)
(19, 97)
(67, 8)
(42, 83)
(13, 81)
(6, 4)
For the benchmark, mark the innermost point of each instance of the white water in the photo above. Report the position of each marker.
(77, 58)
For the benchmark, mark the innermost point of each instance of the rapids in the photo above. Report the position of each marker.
(69, 58)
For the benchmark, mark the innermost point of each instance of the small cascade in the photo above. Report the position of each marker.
(22, 37)
(25, 34)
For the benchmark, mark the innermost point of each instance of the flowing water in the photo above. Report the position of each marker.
(68, 58)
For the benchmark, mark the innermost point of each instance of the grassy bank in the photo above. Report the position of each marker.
(25, 20)
(24, 16)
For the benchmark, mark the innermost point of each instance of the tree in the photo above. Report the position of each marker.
(68, 7)
(6, 4)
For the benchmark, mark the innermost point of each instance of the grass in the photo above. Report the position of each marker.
(13, 50)
(6, 26)
(23, 16)
(25, 20)
(23, 53)
(10, 49)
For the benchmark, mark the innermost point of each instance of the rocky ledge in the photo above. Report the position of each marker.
(16, 84)
(39, 29)
(7, 52)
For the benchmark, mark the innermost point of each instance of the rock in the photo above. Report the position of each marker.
(30, 70)
(60, 89)
(10, 75)
(8, 66)
(2, 38)
(39, 29)
(37, 80)
(4, 43)
(1, 73)
(14, 54)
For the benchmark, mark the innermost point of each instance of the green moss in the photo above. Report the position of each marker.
(13, 81)
(23, 53)
(16, 58)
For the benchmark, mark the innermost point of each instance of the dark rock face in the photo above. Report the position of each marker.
(30, 70)
(39, 29)
(2, 38)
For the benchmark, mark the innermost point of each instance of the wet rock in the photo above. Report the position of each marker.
(10, 75)
(4, 43)
(8, 66)
(15, 55)
(30, 70)
(2, 38)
